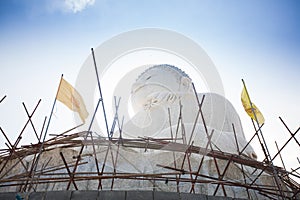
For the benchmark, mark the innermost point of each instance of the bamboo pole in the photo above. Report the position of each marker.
(47, 127)
(210, 143)
(201, 161)
(239, 153)
(293, 136)
(18, 139)
(263, 169)
(68, 170)
(30, 120)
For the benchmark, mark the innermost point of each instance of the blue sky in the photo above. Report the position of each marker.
(255, 40)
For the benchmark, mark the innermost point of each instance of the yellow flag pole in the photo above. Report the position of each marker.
(264, 146)
(52, 108)
(251, 104)
(267, 153)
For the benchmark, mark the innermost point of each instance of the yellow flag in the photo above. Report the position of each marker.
(72, 99)
(247, 106)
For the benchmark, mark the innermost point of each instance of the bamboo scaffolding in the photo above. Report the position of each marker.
(19, 138)
(238, 150)
(153, 144)
(177, 173)
(156, 145)
(157, 177)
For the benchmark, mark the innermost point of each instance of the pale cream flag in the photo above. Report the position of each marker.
(69, 96)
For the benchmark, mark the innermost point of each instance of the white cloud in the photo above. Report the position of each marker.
(66, 6)
(77, 5)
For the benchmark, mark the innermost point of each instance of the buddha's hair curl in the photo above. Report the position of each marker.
(167, 68)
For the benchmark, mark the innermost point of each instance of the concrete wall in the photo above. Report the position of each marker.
(107, 195)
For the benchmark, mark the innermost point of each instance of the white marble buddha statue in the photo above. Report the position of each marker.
(157, 96)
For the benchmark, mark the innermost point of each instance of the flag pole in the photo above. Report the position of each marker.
(52, 108)
(101, 97)
(269, 159)
(43, 141)
(267, 154)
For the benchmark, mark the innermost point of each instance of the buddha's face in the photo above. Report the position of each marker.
(156, 80)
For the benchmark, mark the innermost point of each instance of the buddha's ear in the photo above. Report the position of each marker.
(185, 84)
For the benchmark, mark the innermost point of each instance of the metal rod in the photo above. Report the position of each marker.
(51, 113)
(94, 114)
(39, 175)
(117, 104)
(115, 165)
(40, 136)
(2, 98)
(100, 91)
(93, 143)
(103, 165)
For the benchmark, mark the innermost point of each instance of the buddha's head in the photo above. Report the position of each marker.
(162, 86)
(157, 80)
